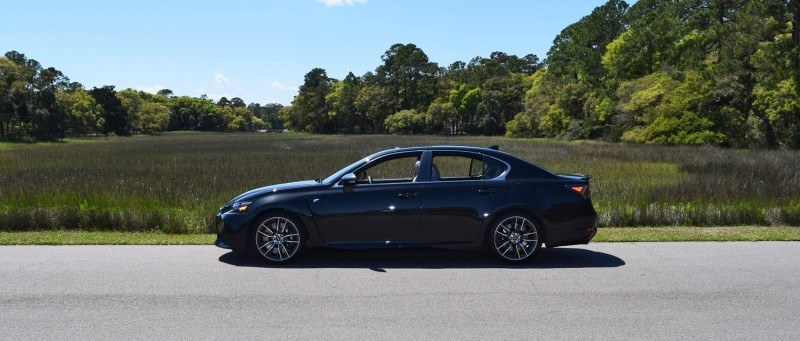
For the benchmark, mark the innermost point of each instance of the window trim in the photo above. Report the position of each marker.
(500, 177)
(395, 155)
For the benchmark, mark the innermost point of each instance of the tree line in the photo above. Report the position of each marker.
(41, 104)
(409, 94)
(723, 72)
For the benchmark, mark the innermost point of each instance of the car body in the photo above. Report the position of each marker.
(455, 198)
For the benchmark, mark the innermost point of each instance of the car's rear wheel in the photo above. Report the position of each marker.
(278, 238)
(515, 238)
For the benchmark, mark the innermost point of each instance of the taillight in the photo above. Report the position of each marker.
(581, 189)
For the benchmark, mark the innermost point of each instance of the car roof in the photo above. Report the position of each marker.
(523, 167)
(440, 147)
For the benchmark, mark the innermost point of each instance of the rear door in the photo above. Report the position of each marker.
(464, 188)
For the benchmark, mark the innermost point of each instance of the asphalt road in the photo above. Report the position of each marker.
(600, 291)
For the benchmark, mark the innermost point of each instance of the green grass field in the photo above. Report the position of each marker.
(173, 183)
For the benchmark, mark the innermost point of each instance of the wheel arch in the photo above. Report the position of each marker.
(527, 210)
(269, 211)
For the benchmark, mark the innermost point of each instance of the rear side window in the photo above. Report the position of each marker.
(464, 166)
(492, 168)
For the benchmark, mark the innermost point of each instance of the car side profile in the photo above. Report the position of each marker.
(437, 196)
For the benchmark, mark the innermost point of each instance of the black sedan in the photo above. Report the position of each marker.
(442, 196)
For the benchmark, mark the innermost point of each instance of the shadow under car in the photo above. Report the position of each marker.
(429, 258)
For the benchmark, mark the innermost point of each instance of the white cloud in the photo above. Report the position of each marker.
(151, 89)
(281, 86)
(220, 78)
(332, 3)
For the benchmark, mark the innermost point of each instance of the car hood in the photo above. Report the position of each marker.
(274, 188)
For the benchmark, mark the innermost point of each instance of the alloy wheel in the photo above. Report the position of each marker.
(516, 238)
(277, 239)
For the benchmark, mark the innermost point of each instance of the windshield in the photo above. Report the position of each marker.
(335, 176)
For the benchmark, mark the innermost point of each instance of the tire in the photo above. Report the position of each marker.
(278, 238)
(514, 238)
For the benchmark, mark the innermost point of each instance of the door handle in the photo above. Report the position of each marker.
(487, 190)
(407, 195)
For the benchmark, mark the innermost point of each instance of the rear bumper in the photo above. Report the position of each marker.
(579, 231)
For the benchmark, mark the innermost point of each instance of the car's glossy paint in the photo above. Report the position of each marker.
(421, 213)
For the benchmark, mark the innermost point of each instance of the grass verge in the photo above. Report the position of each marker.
(637, 234)
(102, 238)
(697, 234)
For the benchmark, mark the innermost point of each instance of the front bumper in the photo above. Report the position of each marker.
(222, 242)
(231, 231)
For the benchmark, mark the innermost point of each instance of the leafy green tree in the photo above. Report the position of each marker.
(268, 113)
(15, 91)
(465, 100)
(115, 117)
(409, 75)
(650, 40)
(407, 122)
(84, 114)
(523, 125)
(376, 103)
(290, 117)
(501, 99)
(237, 102)
(443, 116)
(526, 65)
(238, 118)
(153, 117)
(28, 99)
(310, 109)
(342, 103)
(577, 51)
(186, 113)
(223, 102)
(665, 110)
(794, 10)
(166, 93)
(132, 101)
(213, 120)
(782, 106)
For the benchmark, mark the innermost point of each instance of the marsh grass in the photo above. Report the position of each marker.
(174, 182)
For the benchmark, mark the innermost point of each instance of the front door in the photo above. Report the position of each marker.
(383, 207)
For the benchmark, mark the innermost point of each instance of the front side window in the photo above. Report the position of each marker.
(391, 169)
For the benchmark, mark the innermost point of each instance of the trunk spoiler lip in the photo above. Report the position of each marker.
(576, 175)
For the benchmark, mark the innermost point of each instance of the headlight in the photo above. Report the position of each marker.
(241, 206)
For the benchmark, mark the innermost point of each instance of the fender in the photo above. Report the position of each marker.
(237, 224)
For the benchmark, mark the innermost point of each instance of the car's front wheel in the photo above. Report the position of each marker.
(515, 238)
(279, 238)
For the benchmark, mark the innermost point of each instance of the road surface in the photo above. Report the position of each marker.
(599, 291)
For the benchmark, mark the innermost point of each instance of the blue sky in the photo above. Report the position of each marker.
(260, 50)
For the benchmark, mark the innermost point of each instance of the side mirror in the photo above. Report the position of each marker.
(349, 180)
